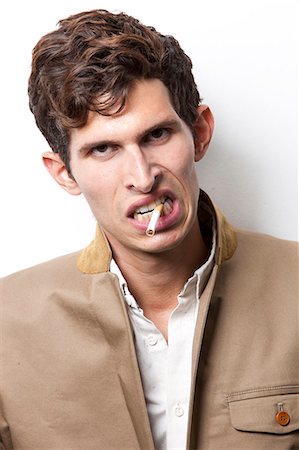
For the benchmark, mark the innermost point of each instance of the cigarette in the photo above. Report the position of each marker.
(151, 229)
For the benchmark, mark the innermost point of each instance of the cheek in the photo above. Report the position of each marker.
(182, 164)
(93, 182)
(93, 195)
(185, 173)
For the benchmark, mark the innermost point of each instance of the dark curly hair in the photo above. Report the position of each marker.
(90, 62)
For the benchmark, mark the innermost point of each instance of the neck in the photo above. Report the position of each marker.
(156, 279)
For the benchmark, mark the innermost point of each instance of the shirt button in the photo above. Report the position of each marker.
(282, 418)
(151, 340)
(179, 411)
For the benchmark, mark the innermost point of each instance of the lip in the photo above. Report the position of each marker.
(148, 199)
(164, 222)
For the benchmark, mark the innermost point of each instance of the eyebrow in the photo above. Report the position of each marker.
(167, 123)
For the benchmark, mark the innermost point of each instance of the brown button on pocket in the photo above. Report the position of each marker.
(255, 411)
(282, 418)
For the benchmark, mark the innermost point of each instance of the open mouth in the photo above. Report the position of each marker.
(143, 213)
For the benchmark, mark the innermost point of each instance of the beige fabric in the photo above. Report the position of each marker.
(69, 374)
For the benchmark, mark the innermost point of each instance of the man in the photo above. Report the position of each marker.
(185, 337)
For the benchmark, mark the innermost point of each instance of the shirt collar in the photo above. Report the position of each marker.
(123, 284)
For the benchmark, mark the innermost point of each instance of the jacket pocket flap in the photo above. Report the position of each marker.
(258, 414)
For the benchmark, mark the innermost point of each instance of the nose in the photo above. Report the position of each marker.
(141, 172)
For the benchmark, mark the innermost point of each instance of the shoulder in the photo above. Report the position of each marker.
(265, 246)
(262, 260)
(265, 250)
(53, 264)
(39, 280)
(41, 293)
(265, 242)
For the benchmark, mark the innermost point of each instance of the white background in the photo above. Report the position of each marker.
(245, 55)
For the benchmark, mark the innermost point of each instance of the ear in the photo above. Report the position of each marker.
(204, 128)
(57, 168)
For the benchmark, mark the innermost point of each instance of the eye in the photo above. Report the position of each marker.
(102, 150)
(158, 134)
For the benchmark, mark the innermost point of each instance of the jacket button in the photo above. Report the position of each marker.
(282, 418)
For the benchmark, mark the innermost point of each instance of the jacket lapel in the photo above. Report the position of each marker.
(198, 339)
(109, 310)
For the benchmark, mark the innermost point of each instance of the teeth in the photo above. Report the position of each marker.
(146, 208)
(143, 214)
(142, 217)
(167, 208)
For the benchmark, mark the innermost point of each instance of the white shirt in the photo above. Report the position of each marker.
(166, 368)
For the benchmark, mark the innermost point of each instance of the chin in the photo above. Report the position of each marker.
(161, 243)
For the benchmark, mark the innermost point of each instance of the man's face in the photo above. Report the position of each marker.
(125, 163)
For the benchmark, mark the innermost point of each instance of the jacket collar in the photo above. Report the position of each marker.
(97, 256)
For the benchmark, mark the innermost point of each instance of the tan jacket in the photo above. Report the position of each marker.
(69, 374)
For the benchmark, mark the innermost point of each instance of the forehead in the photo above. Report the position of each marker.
(148, 103)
